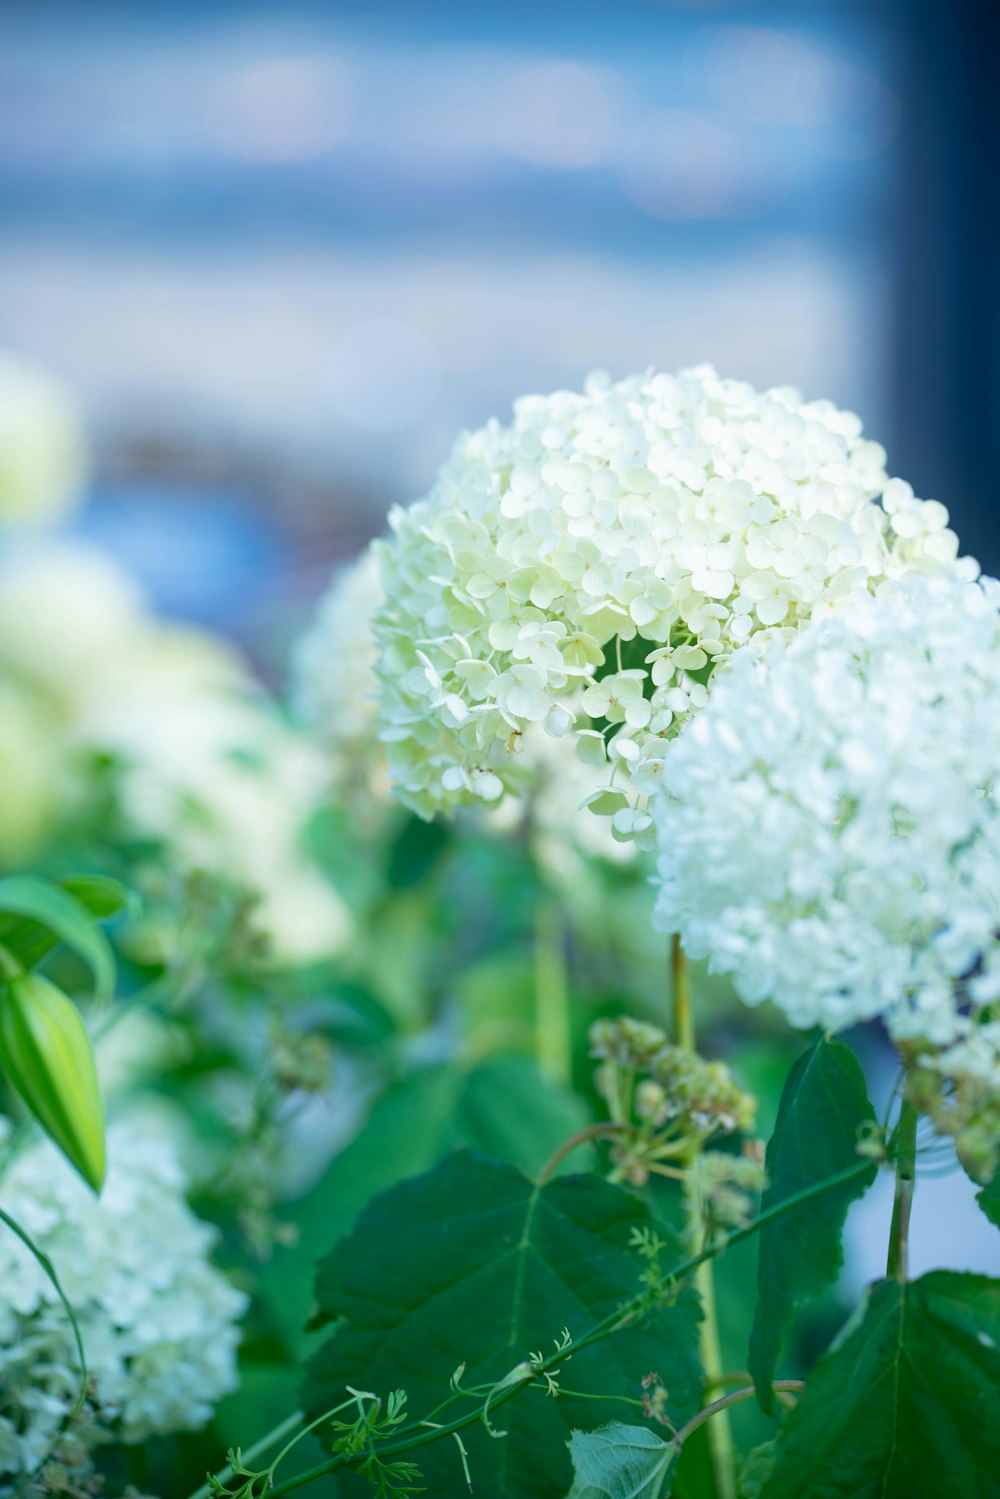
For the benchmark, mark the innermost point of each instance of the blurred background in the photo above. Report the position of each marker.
(284, 253)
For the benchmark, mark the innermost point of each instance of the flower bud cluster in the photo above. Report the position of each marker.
(728, 1186)
(665, 1097)
(958, 1087)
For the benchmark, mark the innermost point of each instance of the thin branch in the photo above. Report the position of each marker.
(780, 1386)
(590, 1132)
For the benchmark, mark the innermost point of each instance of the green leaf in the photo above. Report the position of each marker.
(102, 896)
(756, 1470)
(989, 1200)
(822, 1109)
(502, 1107)
(51, 914)
(904, 1406)
(475, 1264)
(620, 1462)
(417, 848)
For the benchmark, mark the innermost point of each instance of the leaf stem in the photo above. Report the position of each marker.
(589, 1132)
(792, 1386)
(906, 1170)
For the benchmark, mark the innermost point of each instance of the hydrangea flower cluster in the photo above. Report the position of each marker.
(585, 569)
(830, 825)
(665, 1097)
(159, 1322)
(334, 693)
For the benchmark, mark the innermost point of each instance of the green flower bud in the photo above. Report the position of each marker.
(45, 1052)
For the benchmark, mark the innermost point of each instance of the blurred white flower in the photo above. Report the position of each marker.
(228, 788)
(829, 827)
(585, 568)
(200, 761)
(159, 1322)
(334, 686)
(42, 449)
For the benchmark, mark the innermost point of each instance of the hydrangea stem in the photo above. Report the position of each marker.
(906, 1170)
(719, 1434)
(553, 1039)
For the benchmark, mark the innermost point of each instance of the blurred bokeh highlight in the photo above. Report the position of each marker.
(283, 254)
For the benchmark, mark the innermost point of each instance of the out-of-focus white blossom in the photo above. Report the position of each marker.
(29, 767)
(199, 760)
(334, 685)
(829, 827)
(584, 569)
(42, 449)
(159, 1321)
(228, 788)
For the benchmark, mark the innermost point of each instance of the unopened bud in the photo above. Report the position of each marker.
(45, 1053)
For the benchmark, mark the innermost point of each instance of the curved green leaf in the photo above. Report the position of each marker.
(823, 1106)
(620, 1462)
(51, 914)
(989, 1200)
(475, 1264)
(905, 1404)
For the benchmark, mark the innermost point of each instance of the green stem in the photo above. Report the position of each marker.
(906, 1170)
(680, 984)
(721, 1450)
(780, 1386)
(273, 1436)
(553, 1038)
(589, 1132)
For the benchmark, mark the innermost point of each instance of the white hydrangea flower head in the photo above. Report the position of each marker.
(584, 569)
(335, 692)
(160, 1323)
(334, 685)
(42, 447)
(829, 825)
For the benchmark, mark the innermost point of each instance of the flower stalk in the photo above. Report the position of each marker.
(902, 1206)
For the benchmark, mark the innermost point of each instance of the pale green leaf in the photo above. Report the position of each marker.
(620, 1462)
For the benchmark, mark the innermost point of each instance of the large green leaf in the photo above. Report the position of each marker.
(475, 1264)
(620, 1462)
(36, 914)
(989, 1200)
(822, 1109)
(502, 1107)
(906, 1404)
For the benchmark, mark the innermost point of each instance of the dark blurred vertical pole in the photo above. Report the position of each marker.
(947, 274)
